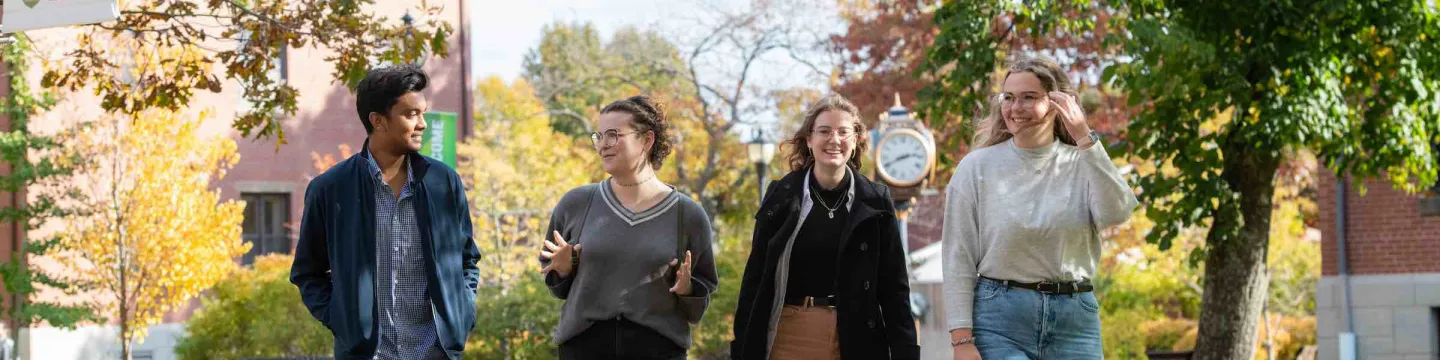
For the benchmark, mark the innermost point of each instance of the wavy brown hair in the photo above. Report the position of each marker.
(646, 114)
(800, 156)
(990, 129)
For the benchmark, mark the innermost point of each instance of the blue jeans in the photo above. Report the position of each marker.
(1021, 324)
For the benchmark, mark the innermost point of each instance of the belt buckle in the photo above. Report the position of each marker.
(1049, 288)
(809, 302)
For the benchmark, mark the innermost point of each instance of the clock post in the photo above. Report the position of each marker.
(904, 154)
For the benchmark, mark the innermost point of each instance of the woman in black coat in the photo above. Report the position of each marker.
(826, 278)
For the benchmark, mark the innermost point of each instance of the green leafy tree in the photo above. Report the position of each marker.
(575, 73)
(1353, 81)
(38, 164)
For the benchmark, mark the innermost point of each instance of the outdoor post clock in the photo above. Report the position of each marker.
(904, 159)
(905, 151)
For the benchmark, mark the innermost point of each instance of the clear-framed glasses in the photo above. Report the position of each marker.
(826, 133)
(608, 138)
(1024, 99)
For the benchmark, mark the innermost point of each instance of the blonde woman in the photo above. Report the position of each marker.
(1023, 215)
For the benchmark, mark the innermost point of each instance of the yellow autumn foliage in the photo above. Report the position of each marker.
(516, 167)
(156, 233)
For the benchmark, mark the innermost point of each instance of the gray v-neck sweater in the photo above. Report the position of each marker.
(624, 264)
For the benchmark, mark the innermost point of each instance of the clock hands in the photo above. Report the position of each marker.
(902, 157)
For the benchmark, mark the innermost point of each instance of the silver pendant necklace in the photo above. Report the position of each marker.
(828, 209)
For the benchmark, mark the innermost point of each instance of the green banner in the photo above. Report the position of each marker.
(441, 126)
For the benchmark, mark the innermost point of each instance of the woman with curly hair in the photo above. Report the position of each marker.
(629, 255)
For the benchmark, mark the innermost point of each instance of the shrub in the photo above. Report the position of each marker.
(712, 337)
(254, 312)
(1164, 333)
(516, 323)
(1121, 333)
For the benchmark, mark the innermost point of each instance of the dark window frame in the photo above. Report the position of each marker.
(266, 211)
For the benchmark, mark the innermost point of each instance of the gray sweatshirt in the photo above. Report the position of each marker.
(624, 263)
(1027, 215)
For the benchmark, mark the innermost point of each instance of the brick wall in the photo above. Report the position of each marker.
(1386, 233)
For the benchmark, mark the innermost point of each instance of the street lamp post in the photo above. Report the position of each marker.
(760, 149)
(405, 38)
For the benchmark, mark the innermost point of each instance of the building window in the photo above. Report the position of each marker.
(282, 64)
(264, 227)
(279, 68)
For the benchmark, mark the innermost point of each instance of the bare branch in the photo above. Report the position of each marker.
(789, 50)
(718, 94)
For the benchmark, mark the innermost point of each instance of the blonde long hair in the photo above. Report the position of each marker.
(991, 130)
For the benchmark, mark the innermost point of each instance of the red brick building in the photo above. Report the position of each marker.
(270, 178)
(1391, 261)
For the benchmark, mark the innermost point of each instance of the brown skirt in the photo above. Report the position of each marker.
(806, 333)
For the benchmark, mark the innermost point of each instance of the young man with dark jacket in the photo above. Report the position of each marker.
(386, 258)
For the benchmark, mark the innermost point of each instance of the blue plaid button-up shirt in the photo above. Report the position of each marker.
(407, 318)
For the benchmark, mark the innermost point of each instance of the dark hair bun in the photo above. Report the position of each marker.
(648, 115)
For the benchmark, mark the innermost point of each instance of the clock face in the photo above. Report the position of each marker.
(903, 158)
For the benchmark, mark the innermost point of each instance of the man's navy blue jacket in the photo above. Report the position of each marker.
(335, 258)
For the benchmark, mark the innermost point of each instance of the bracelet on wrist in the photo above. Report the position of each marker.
(962, 341)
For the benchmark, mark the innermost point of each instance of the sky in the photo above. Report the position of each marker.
(502, 31)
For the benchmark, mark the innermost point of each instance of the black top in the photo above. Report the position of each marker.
(812, 261)
(871, 287)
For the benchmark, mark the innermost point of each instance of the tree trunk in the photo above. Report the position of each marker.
(1236, 279)
(124, 324)
(17, 306)
(124, 339)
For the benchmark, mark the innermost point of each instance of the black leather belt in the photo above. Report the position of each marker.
(808, 301)
(1048, 287)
